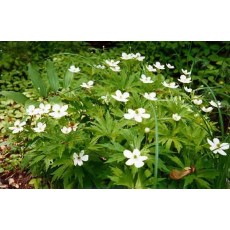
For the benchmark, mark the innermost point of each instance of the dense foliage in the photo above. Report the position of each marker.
(138, 115)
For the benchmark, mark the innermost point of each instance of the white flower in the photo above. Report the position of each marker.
(207, 110)
(197, 101)
(115, 68)
(214, 104)
(44, 108)
(184, 79)
(217, 147)
(105, 99)
(170, 66)
(171, 85)
(150, 96)
(189, 90)
(99, 66)
(74, 69)
(59, 111)
(126, 56)
(147, 130)
(78, 159)
(112, 63)
(66, 130)
(40, 127)
(138, 57)
(176, 117)
(18, 126)
(134, 158)
(123, 97)
(31, 110)
(87, 85)
(158, 65)
(185, 72)
(137, 114)
(146, 79)
(151, 69)
(74, 127)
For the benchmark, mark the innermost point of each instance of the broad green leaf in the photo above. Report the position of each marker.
(52, 76)
(68, 79)
(37, 81)
(16, 96)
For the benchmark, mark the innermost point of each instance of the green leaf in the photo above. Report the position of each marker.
(177, 161)
(37, 159)
(37, 81)
(208, 173)
(16, 96)
(59, 173)
(202, 183)
(120, 177)
(52, 76)
(68, 79)
(188, 180)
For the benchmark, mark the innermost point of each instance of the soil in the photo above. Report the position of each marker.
(15, 180)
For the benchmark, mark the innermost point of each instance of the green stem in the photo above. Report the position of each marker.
(156, 147)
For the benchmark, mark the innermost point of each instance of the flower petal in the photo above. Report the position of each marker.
(216, 141)
(224, 146)
(82, 153)
(128, 154)
(136, 152)
(221, 152)
(130, 161)
(85, 157)
(138, 163)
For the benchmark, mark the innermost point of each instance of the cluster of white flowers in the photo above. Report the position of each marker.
(113, 65)
(136, 115)
(42, 109)
(57, 112)
(158, 66)
(136, 56)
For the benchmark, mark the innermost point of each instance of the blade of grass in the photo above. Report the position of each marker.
(219, 111)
